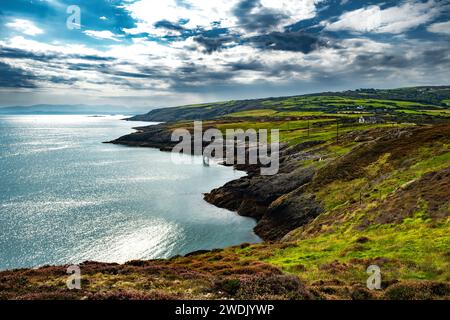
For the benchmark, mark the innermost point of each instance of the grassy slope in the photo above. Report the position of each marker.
(387, 204)
(386, 101)
(387, 207)
(386, 200)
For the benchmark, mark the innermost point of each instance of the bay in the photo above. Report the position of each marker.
(66, 198)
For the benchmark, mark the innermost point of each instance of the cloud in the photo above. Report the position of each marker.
(441, 27)
(278, 58)
(251, 65)
(395, 20)
(295, 41)
(15, 53)
(198, 13)
(105, 35)
(25, 26)
(287, 41)
(253, 16)
(38, 47)
(165, 24)
(244, 15)
(190, 50)
(272, 15)
(11, 77)
(212, 44)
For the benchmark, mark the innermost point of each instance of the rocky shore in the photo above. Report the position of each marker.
(254, 195)
(287, 200)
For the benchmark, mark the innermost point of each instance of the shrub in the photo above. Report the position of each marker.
(229, 286)
(427, 290)
(272, 287)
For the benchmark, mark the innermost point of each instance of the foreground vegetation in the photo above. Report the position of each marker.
(381, 176)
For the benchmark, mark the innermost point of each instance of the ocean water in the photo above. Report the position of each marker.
(66, 198)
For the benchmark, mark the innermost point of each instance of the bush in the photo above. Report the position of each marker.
(272, 287)
(229, 286)
(426, 290)
(361, 294)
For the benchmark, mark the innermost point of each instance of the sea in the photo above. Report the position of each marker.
(66, 197)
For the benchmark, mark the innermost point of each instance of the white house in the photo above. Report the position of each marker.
(370, 120)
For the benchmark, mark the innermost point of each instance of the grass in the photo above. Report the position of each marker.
(296, 131)
(328, 103)
(340, 245)
(254, 113)
(356, 229)
(415, 249)
(438, 112)
(379, 209)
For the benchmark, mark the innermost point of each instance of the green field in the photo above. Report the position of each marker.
(426, 104)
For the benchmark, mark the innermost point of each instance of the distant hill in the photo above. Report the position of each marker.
(431, 97)
(68, 109)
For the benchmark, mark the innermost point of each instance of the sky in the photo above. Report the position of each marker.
(157, 53)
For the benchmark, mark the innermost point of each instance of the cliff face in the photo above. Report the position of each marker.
(254, 195)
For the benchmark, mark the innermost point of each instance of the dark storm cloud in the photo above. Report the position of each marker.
(247, 65)
(142, 74)
(287, 41)
(374, 61)
(51, 61)
(295, 41)
(381, 57)
(197, 78)
(123, 78)
(59, 80)
(437, 56)
(165, 24)
(427, 59)
(13, 53)
(193, 76)
(92, 57)
(212, 44)
(264, 19)
(285, 69)
(86, 66)
(11, 77)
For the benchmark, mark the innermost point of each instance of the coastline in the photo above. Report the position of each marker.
(326, 257)
(117, 167)
(252, 195)
(306, 263)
